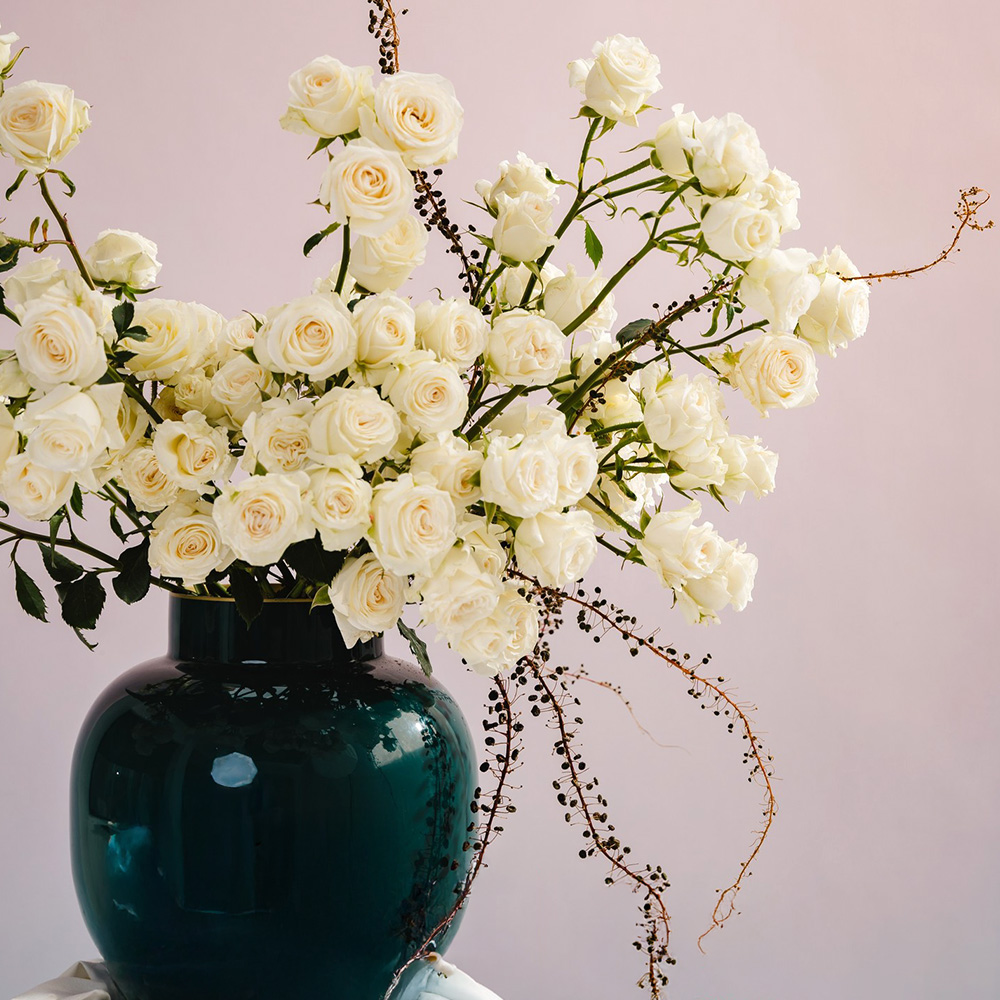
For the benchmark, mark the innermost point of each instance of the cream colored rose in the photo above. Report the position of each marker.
(738, 229)
(776, 370)
(524, 348)
(781, 198)
(185, 544)
(412, 525)
(355, 422)
(679, 411)
(454, 330)
(327, 97)
(676, 549)
(520, 476)
(839, 313)
(367, 599)
(14, 383)
(616, 83)
(516, 178)
(459, 594)
(177, 341)
(731, 583)
(192, 453)
(556, 548)
(616, 405)
(240, 387)
(193, 391)
(34, 491)
(277, 437)
(576, 465)
(447, 462)
(629, 508)
(127, 258)
(40, 123)
(311, 336)
(341, 504)
(417, 114)
(523, 230)
(699, 464)
(7, 41)
(383, 263)
(513, 283)
(781, 287)
(58, 343)
(429, 393)
(44, 279)
(133, 422)
(262, 516)
(30, 281)
(728, 157)
(488, 541)
(368, 187)
(527, 419)
(10, 440)
(386, 335)
(239, 333)
(146, 483)
(675, 143)
(750, 467)
(568, 295)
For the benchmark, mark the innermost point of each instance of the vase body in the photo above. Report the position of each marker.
(265, 814)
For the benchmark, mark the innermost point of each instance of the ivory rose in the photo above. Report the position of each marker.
(176, 340)
(386, 335)
(327, 98)
(520, 476)
(341, 504)
(126, 258)
(454, 330)
(192, 453)
(367, 187)
(313, 336)
(147, 484)
(776, 370)
(616, 83)
(523, 230)
(524, 348)
(185, 544)
(556, 548)
(367, 599)
(383, 263)
(412, 525)
(40, 123)
(57, 342)
(355, 422)
(277, 436)
(429, 393)
(33, 491)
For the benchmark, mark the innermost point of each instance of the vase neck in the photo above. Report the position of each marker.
(206, 630)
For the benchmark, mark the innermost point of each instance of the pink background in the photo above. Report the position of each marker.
(870, 647)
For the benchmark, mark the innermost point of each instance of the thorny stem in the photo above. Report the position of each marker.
(345, 258)
(63, 223)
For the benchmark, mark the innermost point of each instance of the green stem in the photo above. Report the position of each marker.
(136, 393)
(601, 540)
(642, 185)
(632, 531)
(64, 226)
(489, 284)
(497, 407)
(474, 296)
(345, 259)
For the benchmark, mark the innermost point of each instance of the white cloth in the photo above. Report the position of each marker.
(436, 979)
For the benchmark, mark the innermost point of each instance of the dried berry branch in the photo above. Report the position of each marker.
(970, 201)
(382, 24)
(433, 209)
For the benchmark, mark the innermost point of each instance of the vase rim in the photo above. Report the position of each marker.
(231, 600)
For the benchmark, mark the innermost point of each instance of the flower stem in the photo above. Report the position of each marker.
(345, 259)
(64, 226)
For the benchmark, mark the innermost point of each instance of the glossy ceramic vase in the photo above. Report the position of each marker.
(264, 813)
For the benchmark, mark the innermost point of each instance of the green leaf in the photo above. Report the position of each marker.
(594, 247)
(76, 501)
(317, 238)
(320, 146)
(90, 645)
(82, 601)
(246, 592)
(132, 583)
(4, 508)
(122, 315)
(634, 329)
(28, 595)
(417, 646)
(61, 569)
(116, 525)
(70, 186)
(17, 183)
(310, 560)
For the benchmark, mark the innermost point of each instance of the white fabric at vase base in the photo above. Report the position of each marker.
(436, 979)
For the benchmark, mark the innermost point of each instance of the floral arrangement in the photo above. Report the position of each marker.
(468, 455)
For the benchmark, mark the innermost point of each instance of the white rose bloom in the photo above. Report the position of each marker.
(239, 333)
(680, 411)
(776, 370)
(737, 229)
(133, 422)
(327, 97)
(781, 198)
(488, 542)
(447, 462)
(616, 405)
(429, 393)
(7, 41)
(459, 594)
(523, 230)
(781, 287)
(312, 336)
(57, 343)
(192, 453)
(417, 114)
(40, 123)
(240, 387)
(383, 263)
(513, 283)
(568, 295)
(629, 508)
(556, 548)
(277, 436)
(520, 617)
(34, 491)
(576, 465)
(675, 143)
(386, 334)
(124, 257)
(70, 429)
(528, 420)
(749, 467)
(677, 549)
(10, 440)
(700, 464)
(193, 391)
(520, 476)
(517, 178)
(368, 187)
(147, 484)
(14, 383)
(730, 583)
(412, 525)
(341, 504)
(524, 348)
(367, 599)
(728, 156)
(839, 313)
(262, 516)
(355, 422)
(454, 330)
(178, 341)
(620, 78)
(185, 544)
(30, 280)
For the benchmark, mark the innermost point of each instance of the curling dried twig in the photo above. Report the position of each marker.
(382, 24)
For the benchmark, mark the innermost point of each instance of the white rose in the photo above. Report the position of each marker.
(524, 348)
(454, 330)
(368, 187)
(146, 483)
(177, 340)
(776, 370)
(517, 178)
(191, 453)
(14, 383)
(520, 476)
(528, 420)
(386, 334)
(448, 463)
(239, 333)
(240, 387)
(459, 594)
(839, 313)
(429, 393)
(417, 114)
(737, 229)
(327, 97)
(730, 583)
(679, 411)
(311, 336)
(556, 548)
(568, 295)
(675, 143)
(488, 541)
(513, 283)
(34, 491)
(7, 41)
(262, 516)
(523, 230)
(355, 422)
(412, 525)
(70, 429)
(277, 436)
(616, 405)
(133, 422)
(40, 123)
(58, 343)
(367, 599)
(781, 198)
(498, 641)
(749, 467)
(619, 80)
(341, 504)
(576, 465)
(30, 281)
(677, 549)
(727, 156)
(10, 440)
(383, 263)
(193, 391)
(699, 464)
(610, 492)
(185, 544)
(781, 286)
(126, 258)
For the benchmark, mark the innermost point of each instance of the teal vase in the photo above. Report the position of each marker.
(264, 813)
